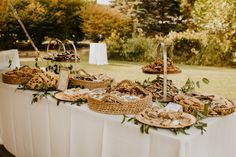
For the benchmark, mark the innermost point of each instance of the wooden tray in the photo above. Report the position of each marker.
(140, 117)
(59, 96)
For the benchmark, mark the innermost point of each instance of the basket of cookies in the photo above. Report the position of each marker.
(215, 105)
(84, 79)
(19, 75)
(124, 98)
(157, 67)
(155, 86)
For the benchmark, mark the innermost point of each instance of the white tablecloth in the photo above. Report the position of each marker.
(7, 55)
(98, 54)
(47, 130)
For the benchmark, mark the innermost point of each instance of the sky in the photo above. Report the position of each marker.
(106, 2)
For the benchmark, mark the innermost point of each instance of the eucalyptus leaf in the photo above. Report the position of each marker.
(142, 128)
(58, 102)
(198, 84)
(147, 129)
(130, 119)
(205, 80)
(124, 118)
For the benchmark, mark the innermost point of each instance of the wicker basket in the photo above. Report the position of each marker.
(211, 112)
(89, 84)
(117, 105)
(14, 79)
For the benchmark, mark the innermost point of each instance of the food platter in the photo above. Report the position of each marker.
(217, 105)
(162, 119)
(19, 75)
(83, 79)
(157, 67)
(124, 98)
(73, 94)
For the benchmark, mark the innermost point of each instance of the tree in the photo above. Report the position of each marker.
(42, 18)
(100, 21)
(156, 16)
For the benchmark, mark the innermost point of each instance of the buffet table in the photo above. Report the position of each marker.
(44, 129)
(98, 54)
(7, 55)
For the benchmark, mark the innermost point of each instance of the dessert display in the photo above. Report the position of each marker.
(125, 98)
(72, 94)
(164, 119)
(19, 75)
(157, 67)
(65, 57)
(156, 88)
(217, 105)
(86, 80)
(42, 81)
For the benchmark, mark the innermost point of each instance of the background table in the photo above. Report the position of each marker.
(7, 55)
(44, 129)
(98, 54)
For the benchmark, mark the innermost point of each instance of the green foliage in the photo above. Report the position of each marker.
(99, 22)
(42, 18)
(199, 48)
(156, 16)
(115, 46)
(218, 19)
(184, 47)
(190, 85)
(137, 48)
(140, 48)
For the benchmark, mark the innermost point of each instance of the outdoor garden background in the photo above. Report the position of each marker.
(200, 35)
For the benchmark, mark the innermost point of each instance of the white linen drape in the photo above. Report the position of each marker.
(7, 55)
(98, 54)
(44, 129)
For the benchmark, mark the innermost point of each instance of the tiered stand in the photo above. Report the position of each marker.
(62, 48)
(165, 73)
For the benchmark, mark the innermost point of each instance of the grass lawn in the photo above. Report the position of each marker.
(222, 80)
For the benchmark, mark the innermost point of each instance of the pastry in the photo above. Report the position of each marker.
(161, 118)
(157, 67)
(217, 105)
(156, 88)
(20, 75)
(42, 81)
(73, 94)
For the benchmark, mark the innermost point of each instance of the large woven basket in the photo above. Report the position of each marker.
(14, 79)
(220, 111)
(117, 105)
(89, 84)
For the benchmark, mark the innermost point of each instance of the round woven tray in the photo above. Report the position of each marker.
(159, 72)
(118, 105)
(220, 111)
(140, 117)
(14, 79)
(89, 84)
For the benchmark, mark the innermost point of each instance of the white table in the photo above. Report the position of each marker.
(98, 53)
(7, 55)
(47, 130)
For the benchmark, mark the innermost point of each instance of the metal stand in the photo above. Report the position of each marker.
(164, 50)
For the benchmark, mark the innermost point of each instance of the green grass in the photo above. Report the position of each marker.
(222, 80)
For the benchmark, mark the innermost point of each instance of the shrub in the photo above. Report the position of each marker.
(115, 46)
(199, 48)
(140, 48)
(99, 21)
